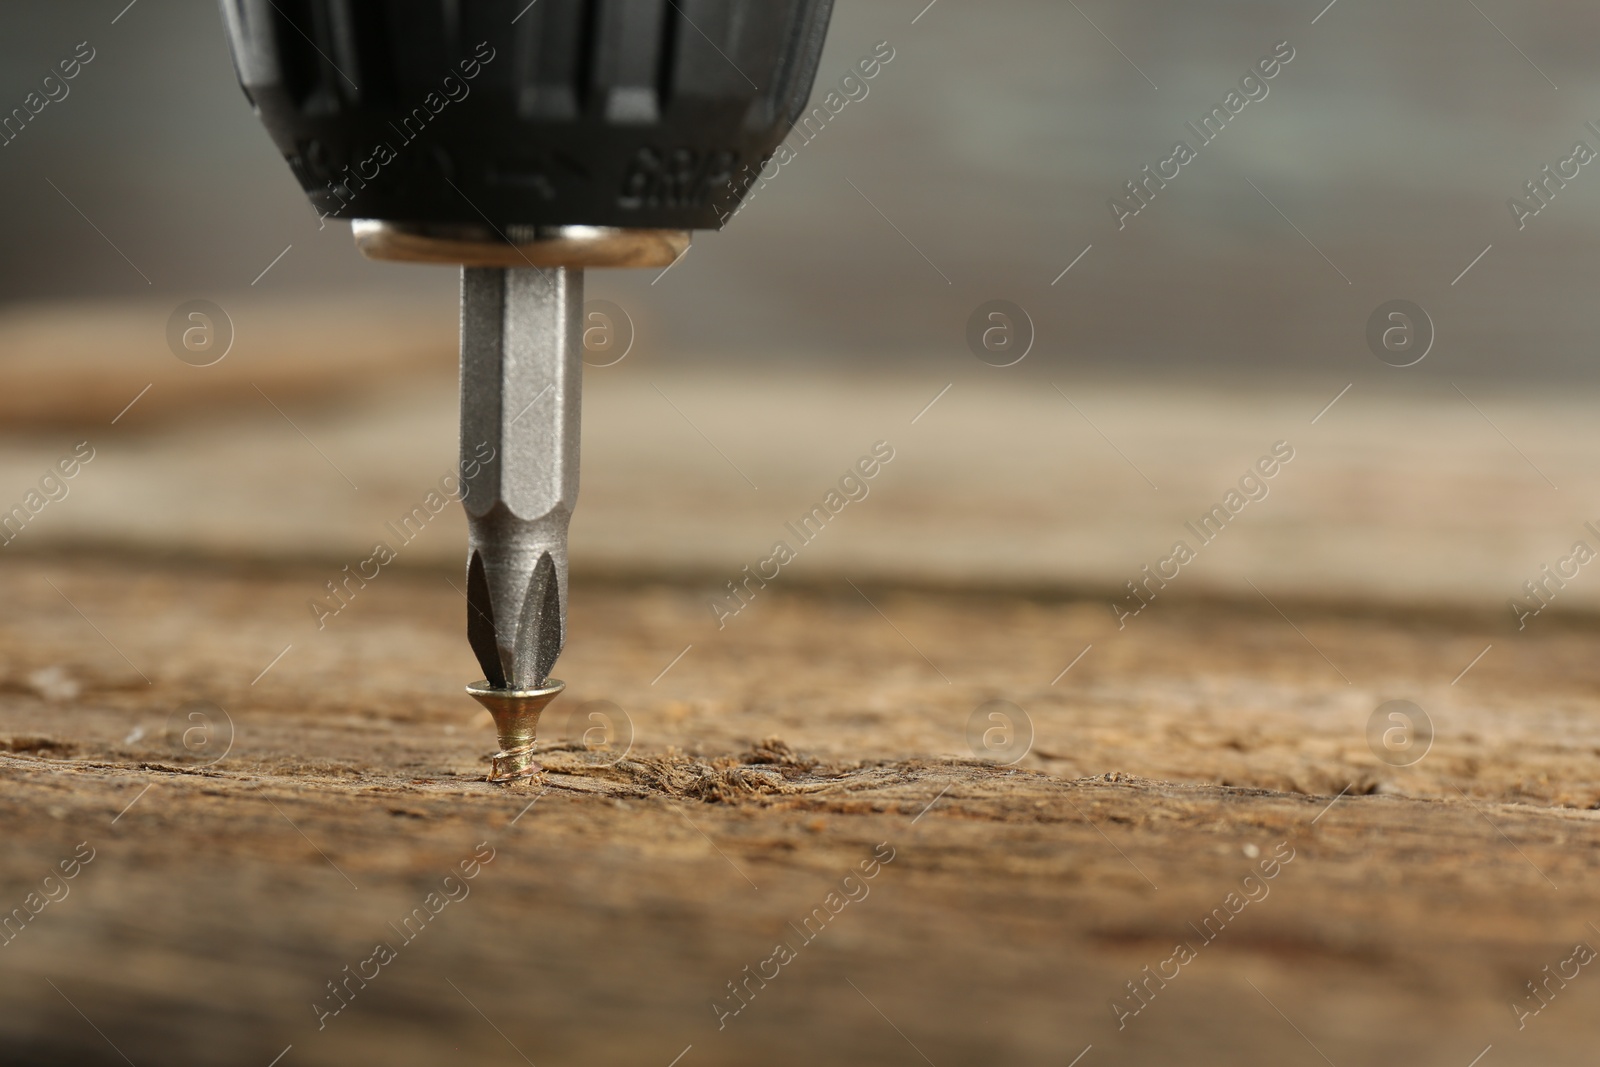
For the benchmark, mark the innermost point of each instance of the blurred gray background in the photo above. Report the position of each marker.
(992, 142)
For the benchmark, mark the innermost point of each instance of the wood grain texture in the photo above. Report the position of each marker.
(1019, 901)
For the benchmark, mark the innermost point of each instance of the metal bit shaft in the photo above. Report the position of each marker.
(521, 383)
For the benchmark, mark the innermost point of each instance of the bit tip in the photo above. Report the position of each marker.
(515, 631)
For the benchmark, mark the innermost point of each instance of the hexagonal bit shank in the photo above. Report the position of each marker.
(521, 384)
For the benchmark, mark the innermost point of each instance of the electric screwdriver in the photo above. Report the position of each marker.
(524, 141)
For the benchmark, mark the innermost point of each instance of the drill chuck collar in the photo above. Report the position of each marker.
(502, 133)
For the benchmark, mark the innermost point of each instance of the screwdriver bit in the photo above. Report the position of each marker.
(521, 386)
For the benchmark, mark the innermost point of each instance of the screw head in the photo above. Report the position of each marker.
(516, 720)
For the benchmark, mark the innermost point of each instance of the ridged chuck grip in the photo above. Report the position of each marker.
(629, 113)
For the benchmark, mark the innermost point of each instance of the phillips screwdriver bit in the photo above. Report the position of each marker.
(521, 385)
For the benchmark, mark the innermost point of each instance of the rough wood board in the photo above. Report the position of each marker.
(74, 366)
(1401, 493)
(222, 898)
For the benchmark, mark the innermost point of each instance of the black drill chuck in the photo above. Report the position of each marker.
(647, 114)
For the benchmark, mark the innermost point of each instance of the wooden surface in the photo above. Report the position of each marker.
(242, 859)
(320, 428)
(1019, 901)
